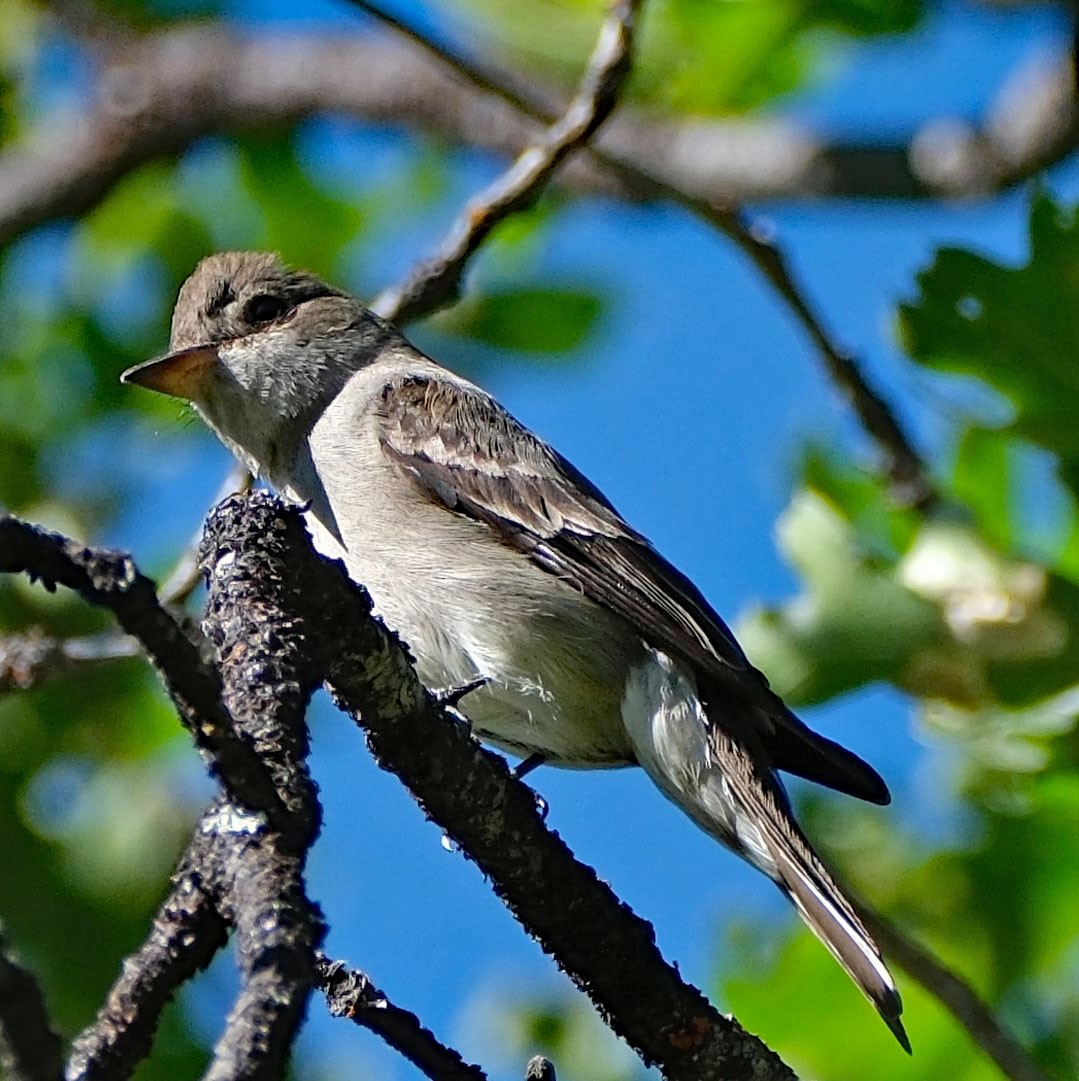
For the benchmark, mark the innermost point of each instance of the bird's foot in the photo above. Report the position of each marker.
(526, 766)
(449, 697)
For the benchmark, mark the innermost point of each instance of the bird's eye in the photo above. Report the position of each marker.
(265, 308)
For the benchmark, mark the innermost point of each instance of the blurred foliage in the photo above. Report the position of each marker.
(694, 56)
(973, 613)
(959, 612)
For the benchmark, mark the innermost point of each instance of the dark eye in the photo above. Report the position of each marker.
(265, 308)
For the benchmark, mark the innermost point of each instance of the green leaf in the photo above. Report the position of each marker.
(862, 498)
(693, 56)
(545, 320)
(1014, 328)
(853, 624)
(308, 226)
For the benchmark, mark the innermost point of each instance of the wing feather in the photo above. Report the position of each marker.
(468, 453)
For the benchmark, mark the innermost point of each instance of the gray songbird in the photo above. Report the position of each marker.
(496, 560)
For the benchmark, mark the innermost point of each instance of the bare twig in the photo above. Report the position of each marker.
(27, 660)
(29, 1048)
(907, 472)
(351, 994)
(185, 576)
(111, 580)
(601, 944)
(905, 468)
(957, 997)
(236, 873)
(186, 933)
(277, 930)
(438, 281)
(161, 92)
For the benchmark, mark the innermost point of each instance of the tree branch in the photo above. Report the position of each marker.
(957, 997)
(351, 994)
(268, 672)
(27, 660)
(437, 281)
(606, 949)
(907, 472)
(236, 872)
(29, 1048)
(160, 93)
(111, 580)
(186, 933)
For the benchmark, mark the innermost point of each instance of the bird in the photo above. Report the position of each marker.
(506, 571)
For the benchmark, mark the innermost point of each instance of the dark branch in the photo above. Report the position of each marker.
(351, 994)
(27, 660)
(159, 94)
(957, 997)
(29, 1048)
(277, 930)
(111, 580)
(907, 472)
(268, 673)
(186, 933)
(438, 281)
(608, 950)
(236, 872)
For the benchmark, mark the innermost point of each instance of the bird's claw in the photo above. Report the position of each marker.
(448, 697)
(527, 765)
(451, 696)
(522, 769)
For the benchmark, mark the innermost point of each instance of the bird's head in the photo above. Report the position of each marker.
(260, 350)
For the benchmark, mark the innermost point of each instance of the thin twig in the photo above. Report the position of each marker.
(351, 994)
(29, 1048)
(27, 660)
(904, 466)
(957, 997)
(111, 580)
(185, 576)
(438, 281)
(186, 933)
(162, 92)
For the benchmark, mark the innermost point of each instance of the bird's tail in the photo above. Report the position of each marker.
(724, 780)
(766, 833)
(833, 920)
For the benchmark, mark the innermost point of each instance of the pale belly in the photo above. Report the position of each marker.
(468, 607)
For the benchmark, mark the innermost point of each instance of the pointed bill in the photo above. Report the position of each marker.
(181, 374)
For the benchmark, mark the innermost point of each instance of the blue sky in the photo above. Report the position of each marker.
(688, 411)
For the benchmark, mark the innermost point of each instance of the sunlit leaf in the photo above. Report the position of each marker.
(1015, 328)
(528, 320)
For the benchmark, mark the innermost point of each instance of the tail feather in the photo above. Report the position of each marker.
(767, 834)
(834, 922)
(795, 748)
(723, 775)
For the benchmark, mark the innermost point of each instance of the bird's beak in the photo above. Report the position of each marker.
(181, 374)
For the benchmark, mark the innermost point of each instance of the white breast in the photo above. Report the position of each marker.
(466, 604)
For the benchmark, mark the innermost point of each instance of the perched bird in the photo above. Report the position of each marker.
(496, 560)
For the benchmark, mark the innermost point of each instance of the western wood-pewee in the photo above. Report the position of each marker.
(495, 559)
